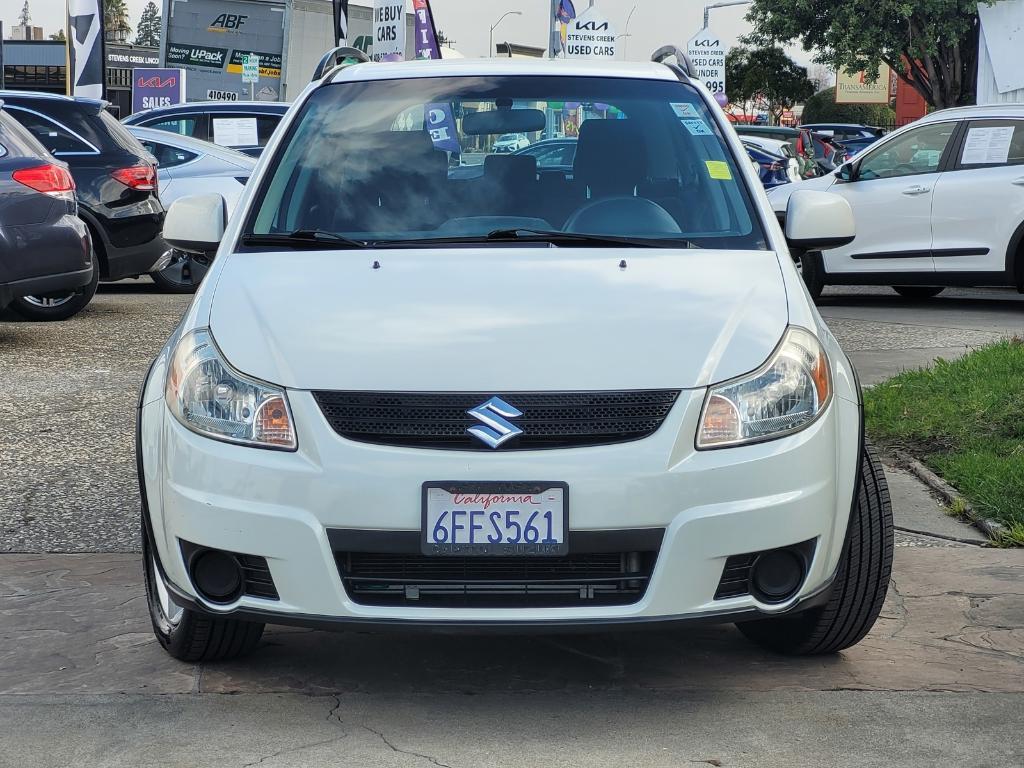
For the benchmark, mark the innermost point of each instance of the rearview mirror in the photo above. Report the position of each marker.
(817, 221)
(847, 172)
(498, 121)
(195, 224)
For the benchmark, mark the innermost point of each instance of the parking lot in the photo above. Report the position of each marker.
(940, 679)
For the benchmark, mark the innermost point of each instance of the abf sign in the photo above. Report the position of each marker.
(590, 36)
(707, 55)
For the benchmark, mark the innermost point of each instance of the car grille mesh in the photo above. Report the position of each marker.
(602, 578)
(549, 420)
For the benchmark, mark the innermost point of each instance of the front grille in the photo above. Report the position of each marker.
(735, 579)
(257, 579)
(549, 420)
(578, 579)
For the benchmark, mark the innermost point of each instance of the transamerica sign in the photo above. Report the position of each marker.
(707, 55)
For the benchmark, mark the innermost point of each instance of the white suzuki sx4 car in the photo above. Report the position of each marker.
(524, 398)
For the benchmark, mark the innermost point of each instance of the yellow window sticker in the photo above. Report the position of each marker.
(718, 169)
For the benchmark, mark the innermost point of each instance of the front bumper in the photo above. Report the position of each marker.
(710, 504)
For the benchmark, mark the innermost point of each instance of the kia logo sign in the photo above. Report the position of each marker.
(591, 26)
(156, 82)
(706, 43)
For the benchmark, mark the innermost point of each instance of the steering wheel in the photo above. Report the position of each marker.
(623, 216)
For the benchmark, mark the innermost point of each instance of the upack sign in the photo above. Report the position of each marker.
(590, 36)
(707, 55)
(157, 88)
(388, 30)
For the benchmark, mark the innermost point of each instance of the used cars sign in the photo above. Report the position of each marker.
(590, 36)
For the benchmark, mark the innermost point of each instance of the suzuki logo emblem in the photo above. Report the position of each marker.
(496, 429)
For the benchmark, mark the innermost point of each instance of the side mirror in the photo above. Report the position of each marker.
(195, 224)
(817, 221)
(847, 172)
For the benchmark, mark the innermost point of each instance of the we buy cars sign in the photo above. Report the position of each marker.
(707, 55)
(388, 30)
(152, 87)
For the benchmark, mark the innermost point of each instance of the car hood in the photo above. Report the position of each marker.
(498, 319)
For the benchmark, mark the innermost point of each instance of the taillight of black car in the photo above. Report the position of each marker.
(141, 178)
(49, 179)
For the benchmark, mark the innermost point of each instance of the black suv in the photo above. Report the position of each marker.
(243, 125)
(45, 248)
(115, 177)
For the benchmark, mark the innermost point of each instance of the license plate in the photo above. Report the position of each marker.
(495, 519)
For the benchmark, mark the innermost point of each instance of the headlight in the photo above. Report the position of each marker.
(783, 396)
(209, 397)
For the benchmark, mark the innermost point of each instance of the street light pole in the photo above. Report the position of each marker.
(722, 4)
(490, 39)
(625, 34)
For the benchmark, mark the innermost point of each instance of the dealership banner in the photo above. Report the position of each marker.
(340, 8)
(437, 117)
(85, 48)
(388, 30)
(156, 87)
(210, 38)
(590, 36)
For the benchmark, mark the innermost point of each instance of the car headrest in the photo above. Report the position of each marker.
(611, 157)
(516, 170)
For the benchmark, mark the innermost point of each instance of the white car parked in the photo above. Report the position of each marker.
(599, 399)
(188, 166)
(937, 203)
(511, 142)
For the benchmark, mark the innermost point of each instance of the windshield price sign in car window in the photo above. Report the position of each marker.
(707, 55)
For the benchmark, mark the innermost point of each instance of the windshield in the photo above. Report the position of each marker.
(416, 161)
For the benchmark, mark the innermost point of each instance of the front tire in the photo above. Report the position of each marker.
(812, 269)
(183, 274)
(862, 579)
(918, 291)
(58, 305)
(190, 636)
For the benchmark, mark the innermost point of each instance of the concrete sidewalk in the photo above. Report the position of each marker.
(940, 681)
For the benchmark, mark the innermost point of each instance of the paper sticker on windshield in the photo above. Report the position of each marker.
(685, 111)
(718, 169)
(697, 127)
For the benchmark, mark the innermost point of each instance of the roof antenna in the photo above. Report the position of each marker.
(622, 264)
(376, 264)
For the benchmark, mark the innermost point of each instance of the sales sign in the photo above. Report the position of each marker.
(707, 56)
(590, 36)
(388, 30)
(152, 87)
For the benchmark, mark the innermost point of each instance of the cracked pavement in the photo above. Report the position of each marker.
(939, 681)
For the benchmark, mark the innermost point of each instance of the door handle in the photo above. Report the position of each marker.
(1019, 182)
(917, 189)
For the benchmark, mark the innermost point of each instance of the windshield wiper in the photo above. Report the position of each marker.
(526, 235)
(520, 234)
(306, 238)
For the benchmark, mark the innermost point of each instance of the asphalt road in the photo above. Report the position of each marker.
(940, 681)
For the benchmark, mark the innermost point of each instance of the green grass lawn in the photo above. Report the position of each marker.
(965, 420)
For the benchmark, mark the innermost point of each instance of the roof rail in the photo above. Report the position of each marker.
(337, 57)
(672, 52)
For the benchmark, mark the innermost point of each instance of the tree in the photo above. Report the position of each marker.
(115, 19)
(931, 44)
(765, 78)
(58, 36)
(148, 31)
(822, 108)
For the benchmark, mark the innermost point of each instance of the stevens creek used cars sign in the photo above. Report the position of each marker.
(707, 55)
(590, 36)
